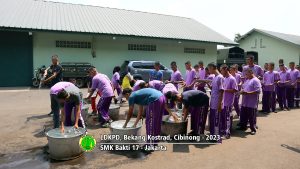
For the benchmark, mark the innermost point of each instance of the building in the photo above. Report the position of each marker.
(231, 55)
(271, 46)
(32, 31)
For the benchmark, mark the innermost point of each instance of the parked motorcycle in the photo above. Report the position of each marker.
(39, 76)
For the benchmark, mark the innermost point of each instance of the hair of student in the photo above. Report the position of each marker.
(116, 69)
(200, 62)
(157, 63)
(280, 60)
(213, 65)
(127, 91)
(171, 96)
(196, 66)
(292, 63)
(224, 67)
(91, 68)
(142, 85)
(250, 56)
(62, 94)
(188, 62)
(272, 64)
(55, 56)
(174, 63)
(233, 66)
(249, 70)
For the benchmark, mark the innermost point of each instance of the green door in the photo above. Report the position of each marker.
(15, 59)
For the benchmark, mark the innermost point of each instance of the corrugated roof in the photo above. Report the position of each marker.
(56, 16)
(294, 39)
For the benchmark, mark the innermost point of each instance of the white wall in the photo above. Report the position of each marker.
(110, 53)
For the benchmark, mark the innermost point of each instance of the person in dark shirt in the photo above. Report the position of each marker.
(54, 71)
(70, 98)
(195, 102)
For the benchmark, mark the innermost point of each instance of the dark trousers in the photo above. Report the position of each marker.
(269, 101)
(281, 96)
(297, 95)
(290, 96)
(55, 110)
(248, 115)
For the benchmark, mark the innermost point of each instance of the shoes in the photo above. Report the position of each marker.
(253, 132)
(49, 114)
(105, 125)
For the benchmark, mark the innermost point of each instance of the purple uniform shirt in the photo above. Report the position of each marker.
(284, 77)
(201, 74)
(251, 85)
(156, 84)
(217, 85)
(269, 80)
(257, 70)
(189, 76)
(136, 86)
(115, 79)
(294, 77)
(176, 76)
(169, 88)
(59, 87)
(229, 83)
(238, 78)
(103, 84)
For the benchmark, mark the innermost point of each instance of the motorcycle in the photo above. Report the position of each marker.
(39, 77)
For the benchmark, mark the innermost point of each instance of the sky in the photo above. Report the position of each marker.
(227, 17)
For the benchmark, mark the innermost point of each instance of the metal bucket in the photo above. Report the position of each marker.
(173, 128)
(116, 128)
(65, 146)
(114, 112)
(84, 111)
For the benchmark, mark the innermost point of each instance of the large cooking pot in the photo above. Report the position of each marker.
(85, 111)
(172, 128)
(116, 128)
(65, 146)
(114, 112)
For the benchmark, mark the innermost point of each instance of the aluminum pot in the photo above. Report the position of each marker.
(65, 146)
(114, 112)
(84, 111)
(116, 128)
(173, 128)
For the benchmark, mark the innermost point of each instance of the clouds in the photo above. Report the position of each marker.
(226, 17)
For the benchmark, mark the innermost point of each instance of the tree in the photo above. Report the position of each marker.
(237, 36)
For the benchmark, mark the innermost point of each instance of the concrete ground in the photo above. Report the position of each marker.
(24, 116)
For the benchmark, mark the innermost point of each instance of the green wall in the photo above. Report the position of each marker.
(111, 52)
(274, 49)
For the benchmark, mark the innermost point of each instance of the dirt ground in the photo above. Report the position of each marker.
(24, 116)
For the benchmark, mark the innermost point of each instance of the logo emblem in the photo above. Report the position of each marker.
(87, 143)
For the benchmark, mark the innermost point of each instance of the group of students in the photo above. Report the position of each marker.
(157, 98)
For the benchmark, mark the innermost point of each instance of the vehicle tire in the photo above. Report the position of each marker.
(138, 78)
(79, 83)
(35, 82)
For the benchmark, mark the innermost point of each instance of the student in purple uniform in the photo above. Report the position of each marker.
(155, 105)
(201, 76)
(269, 82)
(230, 88)
(237, 76)
(176, 76)
(297, 95)
(70, 98)
(291, 88)
(281, 62)
(189, 77)
(250, 91)
(256, 69)
(281, 86)
(266, 67)
(156, 74)
(156, 84)
(170, 89)
(139, 84)
(216, 106)
(104, 86)
(195, 102)
(116, 81)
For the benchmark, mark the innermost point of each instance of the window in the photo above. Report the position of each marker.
(255, 44)
(73, 44)
(261, 43)
(194, 50)
(141, 47)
